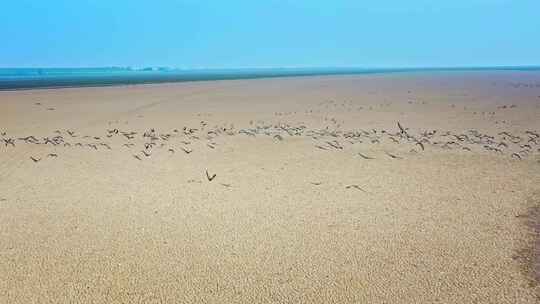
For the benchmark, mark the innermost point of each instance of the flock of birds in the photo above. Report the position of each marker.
(331, 138)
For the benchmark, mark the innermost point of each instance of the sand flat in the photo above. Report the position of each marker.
(319, 197)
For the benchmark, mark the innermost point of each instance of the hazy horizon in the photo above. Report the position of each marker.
(175, 68)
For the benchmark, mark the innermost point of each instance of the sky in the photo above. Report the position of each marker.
(269, 33)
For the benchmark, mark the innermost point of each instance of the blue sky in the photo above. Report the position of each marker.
(234, 33)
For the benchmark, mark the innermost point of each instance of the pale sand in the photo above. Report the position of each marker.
(280, 223)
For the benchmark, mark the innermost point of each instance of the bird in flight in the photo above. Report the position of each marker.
(210, 178)
(364, 156)
(187, 150)
(9, 141)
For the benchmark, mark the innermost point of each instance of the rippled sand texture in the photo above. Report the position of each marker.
(319, 196)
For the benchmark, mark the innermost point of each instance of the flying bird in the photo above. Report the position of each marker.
(355, 187)
(9, 141)
(515, 155)
(365, 156)
(210, 178)
(401, 128)
(393, 156)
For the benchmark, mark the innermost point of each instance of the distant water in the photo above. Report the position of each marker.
(30, 78)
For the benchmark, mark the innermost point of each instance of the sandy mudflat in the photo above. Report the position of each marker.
(319, 196)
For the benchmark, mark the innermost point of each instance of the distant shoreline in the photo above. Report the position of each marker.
(12, 79)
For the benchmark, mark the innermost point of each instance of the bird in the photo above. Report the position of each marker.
(137, 157)
(146, 154)
(49, 141)
(129, 135)
(9, 141)
(30, 139)
(171, 150)
(278, 137)
(210, 178)
(52, 155)
(365, 156)
(515, 155)
(35, 159)
(334, 145)
(355, 187)
(393, 156)
(186, 150)
(401, 128)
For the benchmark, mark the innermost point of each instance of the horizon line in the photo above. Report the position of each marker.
(128, 67)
